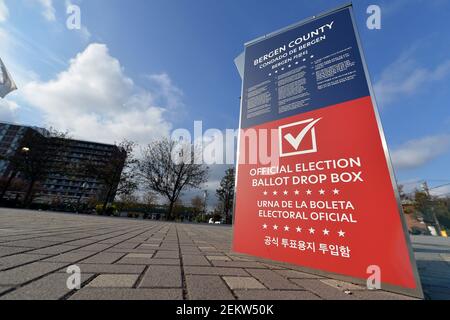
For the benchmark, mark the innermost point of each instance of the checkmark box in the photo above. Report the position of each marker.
(298, 138)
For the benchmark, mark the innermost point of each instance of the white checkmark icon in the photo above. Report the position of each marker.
(295, 142)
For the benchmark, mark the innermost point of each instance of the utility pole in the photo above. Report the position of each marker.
(436, 221)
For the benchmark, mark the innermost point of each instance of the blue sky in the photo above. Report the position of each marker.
(157, 65)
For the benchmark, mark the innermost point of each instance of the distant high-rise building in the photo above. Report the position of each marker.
(62, 186)
(11, 136)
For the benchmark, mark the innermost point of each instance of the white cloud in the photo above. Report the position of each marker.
(405, 77)
(95, 100)
(442, 191)
(4, 12)
(166, 89)
(8, 110)
(48, 10)
(418, 152)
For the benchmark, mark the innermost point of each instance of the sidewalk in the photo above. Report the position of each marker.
(135, 259)
(433, 261)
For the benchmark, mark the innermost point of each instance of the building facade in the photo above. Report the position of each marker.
(68, 179)
(11, 136)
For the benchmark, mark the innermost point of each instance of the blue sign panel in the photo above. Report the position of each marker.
(303, 69)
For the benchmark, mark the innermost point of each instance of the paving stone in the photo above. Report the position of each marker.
(153, 261)
(6, 251)
(139, 255)
(161, 277)
(167, 248)
(293, 274)
(111, 268)
(27, 272)
(81, 242)
(185, 246)
(342, 285)
(96, 247)
(218, 258)
(127, 294)
(104, 257)
(195, 260)
(114, 281)
(29, 243)
(54, 250)
(274, 295)
(56, 239)
(19, 259)
(272, 280)
(323, 290)
(215, 271)
(207, 288)
(110, 242)
(137, 250)
(207, 248)
(51, 287)
(236, 283)
(167, 262)
(239, 258)
(193, 251)
(149, 246)
(273, 266)
(70, 257)
(237, 264)
(167, 254)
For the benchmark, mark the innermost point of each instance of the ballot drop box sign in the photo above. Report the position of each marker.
(315, 186)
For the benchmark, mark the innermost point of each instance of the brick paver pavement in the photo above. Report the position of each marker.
(135, 259)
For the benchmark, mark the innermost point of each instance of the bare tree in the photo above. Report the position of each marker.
(401, 192)
(150, 199)
(168, 168)
(198, 205)
(225, 194)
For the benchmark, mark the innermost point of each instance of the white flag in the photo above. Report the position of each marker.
(7, 84)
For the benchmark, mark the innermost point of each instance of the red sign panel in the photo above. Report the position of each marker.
(320, 193)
